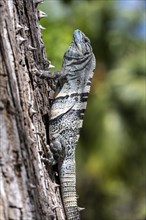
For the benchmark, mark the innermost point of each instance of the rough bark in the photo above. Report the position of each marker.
(28, 188)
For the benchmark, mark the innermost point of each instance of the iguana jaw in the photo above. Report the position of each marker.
(78, 38)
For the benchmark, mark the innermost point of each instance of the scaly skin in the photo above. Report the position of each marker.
(67, 113)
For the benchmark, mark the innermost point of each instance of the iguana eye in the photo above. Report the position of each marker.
(86, 39)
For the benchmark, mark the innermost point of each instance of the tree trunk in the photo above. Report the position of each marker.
(28, 188)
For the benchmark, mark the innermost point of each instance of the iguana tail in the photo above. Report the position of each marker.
(68, 189)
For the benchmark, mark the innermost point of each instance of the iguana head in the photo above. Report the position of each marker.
(82, 42)
(79, 57)
(80, 45)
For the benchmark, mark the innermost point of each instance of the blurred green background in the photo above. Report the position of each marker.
(111, 177)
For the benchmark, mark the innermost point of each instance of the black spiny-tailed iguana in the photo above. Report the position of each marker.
(67, 111)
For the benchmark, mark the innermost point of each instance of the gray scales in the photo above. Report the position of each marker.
(66, 116)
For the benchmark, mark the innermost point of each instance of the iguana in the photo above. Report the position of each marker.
(67, 111)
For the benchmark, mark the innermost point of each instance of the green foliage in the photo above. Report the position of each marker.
(112, 150)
